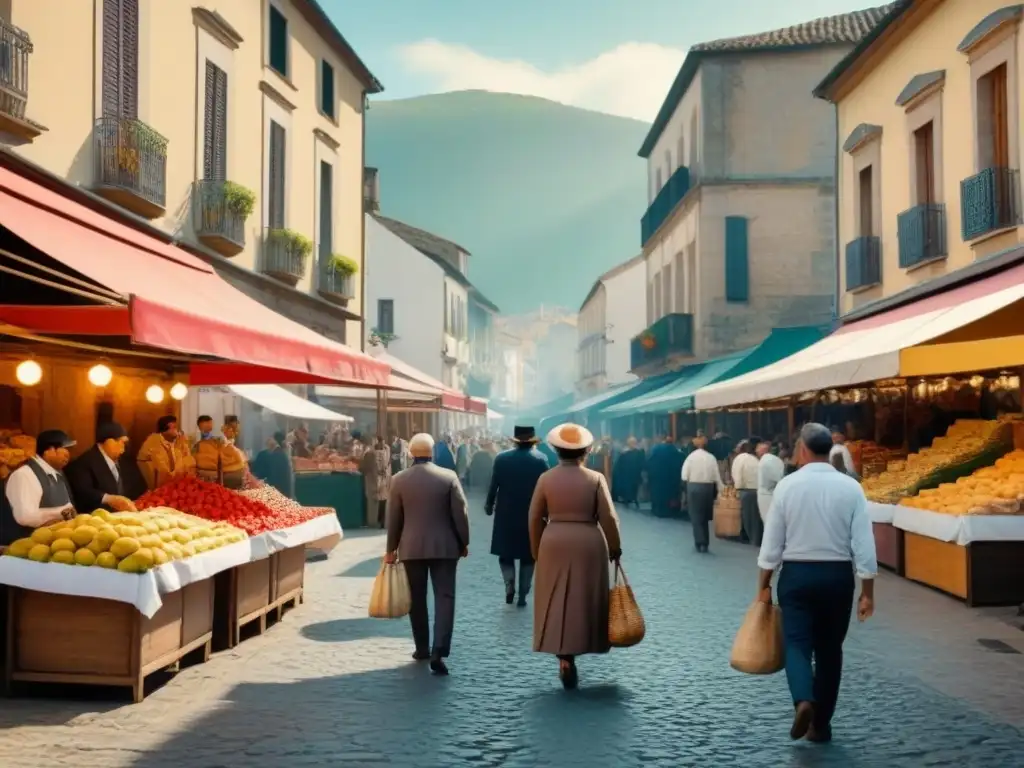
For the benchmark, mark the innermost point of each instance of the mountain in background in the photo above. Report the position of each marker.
(545, 197)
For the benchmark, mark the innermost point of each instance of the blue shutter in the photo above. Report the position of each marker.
(737, 266)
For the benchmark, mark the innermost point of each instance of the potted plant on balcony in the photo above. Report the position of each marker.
(381, 338)
(647, 340)
(335, 278)
(286, 255)
(239, 201)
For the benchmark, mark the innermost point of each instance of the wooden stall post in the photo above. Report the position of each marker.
(906, 418)
(673, 427)
(750, 423)
(790, 420)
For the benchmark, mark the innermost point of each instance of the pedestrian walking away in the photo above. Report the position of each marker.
(574, 533)
(512, 483)
(770, 470)
(627, 472)
(819, 533)
(428, 530)
(663, 477)
(744, 475)
(703, 483)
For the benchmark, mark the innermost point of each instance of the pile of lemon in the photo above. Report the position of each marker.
(132, 542)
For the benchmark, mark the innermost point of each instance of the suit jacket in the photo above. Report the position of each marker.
(515, 475)
(90, 478)
(426, 514)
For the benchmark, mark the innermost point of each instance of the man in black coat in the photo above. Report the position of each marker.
(513, 480)
(95, 477)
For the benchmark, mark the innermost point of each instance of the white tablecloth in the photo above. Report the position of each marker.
(143, 590)
(963, 529)
(881, 513)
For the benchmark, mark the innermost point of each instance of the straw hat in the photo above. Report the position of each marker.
(570, 437)
(422, 446)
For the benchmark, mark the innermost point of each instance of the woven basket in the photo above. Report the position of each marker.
(728, 524)
(626, 625)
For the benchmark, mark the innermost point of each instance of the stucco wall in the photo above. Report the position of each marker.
(680, 142)
(624, 319)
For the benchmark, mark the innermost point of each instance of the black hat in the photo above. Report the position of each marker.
(52, 438)
(524, 435)
(110, 430)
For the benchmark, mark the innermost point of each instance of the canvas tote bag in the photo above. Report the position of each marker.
(390, 598)
(758, 648)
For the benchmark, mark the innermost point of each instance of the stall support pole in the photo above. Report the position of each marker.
(790, 420)
(675, 437)
(906, 418)
(750, 423)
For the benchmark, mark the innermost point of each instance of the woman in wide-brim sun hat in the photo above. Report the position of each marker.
(574, 533)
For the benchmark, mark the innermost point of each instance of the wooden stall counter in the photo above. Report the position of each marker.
(53, 638)
(888, 538)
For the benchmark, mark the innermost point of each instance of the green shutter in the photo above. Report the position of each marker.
(278, 41)
(327, 89)
(737, 266)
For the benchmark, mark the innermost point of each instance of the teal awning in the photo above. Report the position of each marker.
(609, 397)
(677, 394)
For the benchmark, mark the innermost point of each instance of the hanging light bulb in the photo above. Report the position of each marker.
(29, 373)
(155, 394)
(100, 375)
(179, 391)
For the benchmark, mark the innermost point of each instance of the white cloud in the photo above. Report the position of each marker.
(630, 80)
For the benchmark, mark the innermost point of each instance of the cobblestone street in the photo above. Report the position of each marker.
(329, 686)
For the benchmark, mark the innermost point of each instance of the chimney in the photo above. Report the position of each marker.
(371, 190)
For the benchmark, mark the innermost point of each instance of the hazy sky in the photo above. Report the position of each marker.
(616, 56)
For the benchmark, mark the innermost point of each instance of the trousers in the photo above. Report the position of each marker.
(441, 574)
(700, 499)
(816, 600)
(750, 516)
(508, 573)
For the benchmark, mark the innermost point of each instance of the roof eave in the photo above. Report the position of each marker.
(322, 23)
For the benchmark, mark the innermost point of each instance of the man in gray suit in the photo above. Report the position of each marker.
(428, 530)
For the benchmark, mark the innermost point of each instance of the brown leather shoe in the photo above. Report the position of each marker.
(802, 720)
(819, 735)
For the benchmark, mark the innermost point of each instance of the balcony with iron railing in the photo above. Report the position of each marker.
(219, 222)
(863, 263)
(668, 338)
(131, 165)
(285, 254)
(921, 232)
(989, 202)
(664, 203)
(15, 48)
(336, 284)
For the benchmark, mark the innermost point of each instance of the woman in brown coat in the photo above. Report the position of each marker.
(571, 508)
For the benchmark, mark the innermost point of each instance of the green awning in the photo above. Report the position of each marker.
(677, 394)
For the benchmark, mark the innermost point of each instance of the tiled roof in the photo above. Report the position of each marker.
(829, 30)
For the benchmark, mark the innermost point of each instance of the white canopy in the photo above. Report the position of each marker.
(494, 415)
(280, 400)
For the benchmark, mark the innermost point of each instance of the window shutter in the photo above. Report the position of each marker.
(209, 116)
(278, 41)
(737, 268)
(680, 286)
(276, 174)
(650, 302)
(130, 59)
(666, 287)
(220, 125)
(327, 89)
(326, 207)
(111, 58)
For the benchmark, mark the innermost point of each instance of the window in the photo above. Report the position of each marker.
(737, 268)
(326, 208)
(668, 164)
(327, 89)
(657, 182)
(215, 127)
(276, 177)
(680, 286)
(657, 297)
(650, 302)
(691, 278)
(666, 287)
(694, 157)
(121, 58)
(447, 316)
(278, 41)
(865, 194)
(386, 315)
(993, 122)
(924, 162)
(681, 149)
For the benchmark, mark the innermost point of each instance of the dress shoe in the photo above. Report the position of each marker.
(569, 676)
(420, 655)
(510, 595)
(819, 735)
(522, 601)
(437, 666)
(802, 720)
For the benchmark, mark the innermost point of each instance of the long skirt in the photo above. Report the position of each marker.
(570, 609)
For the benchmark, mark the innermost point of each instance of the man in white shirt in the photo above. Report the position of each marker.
(744, 477)
(820, 533)
(703, 482)
(770, 470)
(839, 449)
(37, 492)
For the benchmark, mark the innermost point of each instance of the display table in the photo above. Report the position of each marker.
(977, 558)
(888, 538)
(341, 490)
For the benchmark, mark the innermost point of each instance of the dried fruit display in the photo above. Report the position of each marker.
(995, 490)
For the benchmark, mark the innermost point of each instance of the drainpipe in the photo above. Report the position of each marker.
(835, 225)
(362, 229)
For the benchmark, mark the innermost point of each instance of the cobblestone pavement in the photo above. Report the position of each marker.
(331, 687)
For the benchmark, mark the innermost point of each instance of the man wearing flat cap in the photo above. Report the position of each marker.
(37, 492)
(95, 476)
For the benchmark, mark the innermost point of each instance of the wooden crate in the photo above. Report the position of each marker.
(242, 597)
(289, 572)
(88, 641)
(889, 547)
(982, 573)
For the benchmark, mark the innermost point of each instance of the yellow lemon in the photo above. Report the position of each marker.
(63, 545)
(40, 553)
(63, 557)
(21, 547)
(106, 560)
(42, 536)
(85, 557)
(83, 535)
(124, 547)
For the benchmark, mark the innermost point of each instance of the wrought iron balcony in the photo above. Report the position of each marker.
(335, 286)
(284, 255)
(989, 201)
(664, 203)
(131, 165)
(15, 47)
(217, 220)
(922, 234)
(671, 336)
(863, 263)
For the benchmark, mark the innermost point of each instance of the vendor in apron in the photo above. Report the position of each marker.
(164, 454)
(37, 493)
(233, 462)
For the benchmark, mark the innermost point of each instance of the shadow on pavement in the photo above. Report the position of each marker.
(367, 569)
(348, 630)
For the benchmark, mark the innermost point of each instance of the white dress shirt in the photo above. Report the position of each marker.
(819, 514)
(843, 451)
(24, 494)
(701, 467)
(114, 471)
(770, 470)
(744, 472)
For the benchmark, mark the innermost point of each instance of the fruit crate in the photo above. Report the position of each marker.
(289, 578)
(243, 596)
(63, 639)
